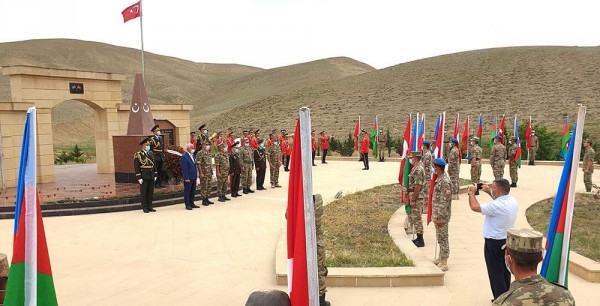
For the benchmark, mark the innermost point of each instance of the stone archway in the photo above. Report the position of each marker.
(45, 88)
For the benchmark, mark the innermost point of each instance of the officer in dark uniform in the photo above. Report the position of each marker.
(260, 161)
(157, 145)
(235, 169)
(145, 172)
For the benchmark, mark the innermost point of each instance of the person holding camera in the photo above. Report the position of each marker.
(500, 215)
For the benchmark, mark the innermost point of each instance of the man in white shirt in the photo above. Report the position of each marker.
(500, 215)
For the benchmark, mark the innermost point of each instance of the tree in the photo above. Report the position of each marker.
(345, 148)
(549, 143)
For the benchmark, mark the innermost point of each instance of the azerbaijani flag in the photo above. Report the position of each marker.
(374, 137)
(479, 130)
(564, 142)
(356, 132)
(456, 133)
(298, 273)
(404, 165)
(558, 243)
(494, 132)
(518, 142)
(30, 277)
(465, 139)
(437, 153)
(528, 134)
(415, 134)
(421, 133)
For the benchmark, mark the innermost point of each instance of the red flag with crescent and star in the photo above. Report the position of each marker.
(131, 12)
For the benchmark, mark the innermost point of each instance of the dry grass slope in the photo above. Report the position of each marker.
(546, 83)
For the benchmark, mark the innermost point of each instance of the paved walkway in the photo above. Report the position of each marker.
(218, 255)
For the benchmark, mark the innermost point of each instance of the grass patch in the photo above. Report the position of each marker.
(356, 232)
(585, 238)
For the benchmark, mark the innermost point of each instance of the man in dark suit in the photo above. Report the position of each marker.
(260, 159)
(190, 174)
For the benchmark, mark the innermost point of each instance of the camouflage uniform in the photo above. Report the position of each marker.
(476, 154)
(320, 245)
(247, 159)
(497, 160)
(222, 160)
(535, 290)
(426, 160)
(441, 202)
(531, 290)
(204, 162)
(274, 157)
(454, 168)
(534, 143)
(416, 177)
(588, 167)
(382, 139)
(512, 164)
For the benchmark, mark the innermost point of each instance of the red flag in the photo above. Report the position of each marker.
(456, 133)
(528, 134)
(131, 12)
(296, 235)
(502, 130)
(356, 131)
(465, 136)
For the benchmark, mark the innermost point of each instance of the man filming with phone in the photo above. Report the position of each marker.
(500, 215)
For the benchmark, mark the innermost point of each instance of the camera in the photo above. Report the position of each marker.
(479, 185)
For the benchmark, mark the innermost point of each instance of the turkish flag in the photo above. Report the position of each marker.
(131, 12)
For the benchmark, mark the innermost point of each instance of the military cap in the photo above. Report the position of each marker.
(416, 154)
(454, 140)
(498, 137)
(154, 128)
(426, 142)
(283, 131)
(144, 141)
(588, 140)
(439, 162)
(201, 127)
(245, 131)
(532, 131)
(257, 131)
(192, 132)
(475, 138)
(363, 131)
(513, 137)
(524, 240)
(321, 132)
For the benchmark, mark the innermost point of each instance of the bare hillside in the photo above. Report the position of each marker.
(546, 83)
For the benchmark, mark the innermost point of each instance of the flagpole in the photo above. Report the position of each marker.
(142, 36)
(309, 211)
(562, 273)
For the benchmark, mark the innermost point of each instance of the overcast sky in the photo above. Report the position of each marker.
(273, 33)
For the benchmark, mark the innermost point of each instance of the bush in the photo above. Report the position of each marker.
(62, 158)
(172, 164)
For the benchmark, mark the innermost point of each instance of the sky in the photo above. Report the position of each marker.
(275, 33)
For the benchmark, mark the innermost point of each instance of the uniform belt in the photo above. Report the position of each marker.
(157, 150)
(146, 167)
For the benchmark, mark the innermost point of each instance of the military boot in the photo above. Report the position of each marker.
(221, 199)
(205, 202)
(513, 185)
(322, 301)
(245, 191)
(209, 201)
(443, 265)
(419, 242)
(436, 261)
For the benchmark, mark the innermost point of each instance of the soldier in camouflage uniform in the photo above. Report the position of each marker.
(454, 167)
(426, 160)
(476, 155)
(247, 159)
(441, 202)
(534, 144)
(274, 159)
(523, 252)
(416, 180)
(588, 164)
(222, 165)
(381, 142)
(512, 163)
(498, 158)
(204, 164)
(318, 200)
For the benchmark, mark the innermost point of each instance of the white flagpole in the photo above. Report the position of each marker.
(309, 209)
(562, 273)
(142, 36)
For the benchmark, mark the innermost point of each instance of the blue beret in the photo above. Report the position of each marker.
(498, 136)
(454, 140)
(426, 142)
(439, 162)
